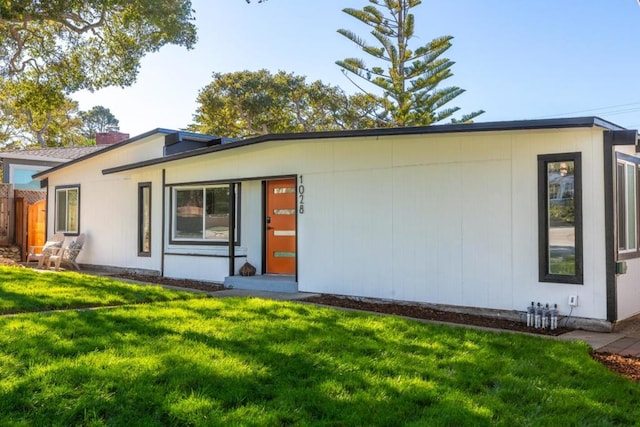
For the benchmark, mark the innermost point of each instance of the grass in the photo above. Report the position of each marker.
(257, 362)
(26, 290)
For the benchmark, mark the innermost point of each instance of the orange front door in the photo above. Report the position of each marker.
(281, 226)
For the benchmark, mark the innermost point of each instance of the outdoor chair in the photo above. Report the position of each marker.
(41, 253)
(68, 254)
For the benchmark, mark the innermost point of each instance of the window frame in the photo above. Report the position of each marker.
(234, 192)
(142, 187)
(543, 219)
(66, 189)
(626, 160)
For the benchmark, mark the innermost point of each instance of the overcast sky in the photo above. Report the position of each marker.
(516, 59)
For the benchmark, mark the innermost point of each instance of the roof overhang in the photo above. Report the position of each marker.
(4, 156)
(104, 150)
(574, 122)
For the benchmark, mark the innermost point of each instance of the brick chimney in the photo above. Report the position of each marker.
(109, 138)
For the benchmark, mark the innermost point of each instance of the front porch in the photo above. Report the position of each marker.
(264, 282)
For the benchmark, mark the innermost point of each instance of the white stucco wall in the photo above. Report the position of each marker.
(109, 206)
(449, 218)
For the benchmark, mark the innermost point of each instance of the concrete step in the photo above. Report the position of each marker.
(265, 282)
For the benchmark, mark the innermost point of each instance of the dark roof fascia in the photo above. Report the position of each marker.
(574, 122)
(181, 136)
(105, 150)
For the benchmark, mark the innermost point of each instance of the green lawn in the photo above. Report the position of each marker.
(25, 290)
(257, 362)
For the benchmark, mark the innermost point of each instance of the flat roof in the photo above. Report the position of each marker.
(556, 123)
(559, 123)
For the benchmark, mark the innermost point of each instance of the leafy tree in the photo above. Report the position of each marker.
(98, 119)
(37, 114)
(88, 44)
(411, 79)
(248, 103)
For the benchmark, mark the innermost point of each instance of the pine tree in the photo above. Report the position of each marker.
(411, 81)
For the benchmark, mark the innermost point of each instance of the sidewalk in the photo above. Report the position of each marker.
(624, 341)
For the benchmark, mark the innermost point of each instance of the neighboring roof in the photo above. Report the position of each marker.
(574, 122)
(62, 155)
(116, 146)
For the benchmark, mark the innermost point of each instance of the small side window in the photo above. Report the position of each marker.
(67, 213)
(627, 217)
(560, 218)
(144, 219)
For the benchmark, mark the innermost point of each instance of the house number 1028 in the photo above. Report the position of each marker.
(301, 196)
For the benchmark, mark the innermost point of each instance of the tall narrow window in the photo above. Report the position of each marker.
(627, 206)
(560, 218)
(144, 219)
(67, 217)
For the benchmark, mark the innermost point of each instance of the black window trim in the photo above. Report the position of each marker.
(237, 193)
(141, 187)
(543, 219)
(55, 218)
(627, 254)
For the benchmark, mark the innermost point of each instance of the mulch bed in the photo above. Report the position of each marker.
(422, 312)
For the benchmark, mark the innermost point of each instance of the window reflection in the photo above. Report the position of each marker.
(561, 218)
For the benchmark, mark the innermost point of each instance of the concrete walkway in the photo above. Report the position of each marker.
(624, 340)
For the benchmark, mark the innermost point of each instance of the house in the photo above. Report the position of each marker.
(483, 216)
(22, 201)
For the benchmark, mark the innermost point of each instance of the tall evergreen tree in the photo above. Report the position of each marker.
(411, 79)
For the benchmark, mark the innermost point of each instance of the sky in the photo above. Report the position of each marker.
(515, 59)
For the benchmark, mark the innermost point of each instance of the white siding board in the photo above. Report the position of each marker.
(362, 232)
(486, 234)
(427, 232)
(426, 149)
(251, 220)
(316, 236)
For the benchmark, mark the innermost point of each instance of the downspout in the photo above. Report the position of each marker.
(232, 229)
(609, 229)
(164, 221)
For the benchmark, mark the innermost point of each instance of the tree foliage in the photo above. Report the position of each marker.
(410, 79)
(248, 103)
(98, 119)
(88, 44)
(33, 114)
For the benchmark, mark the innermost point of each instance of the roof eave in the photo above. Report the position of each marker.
(45, 173)
(561, 123)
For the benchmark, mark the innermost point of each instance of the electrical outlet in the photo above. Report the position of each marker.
(573, 300)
